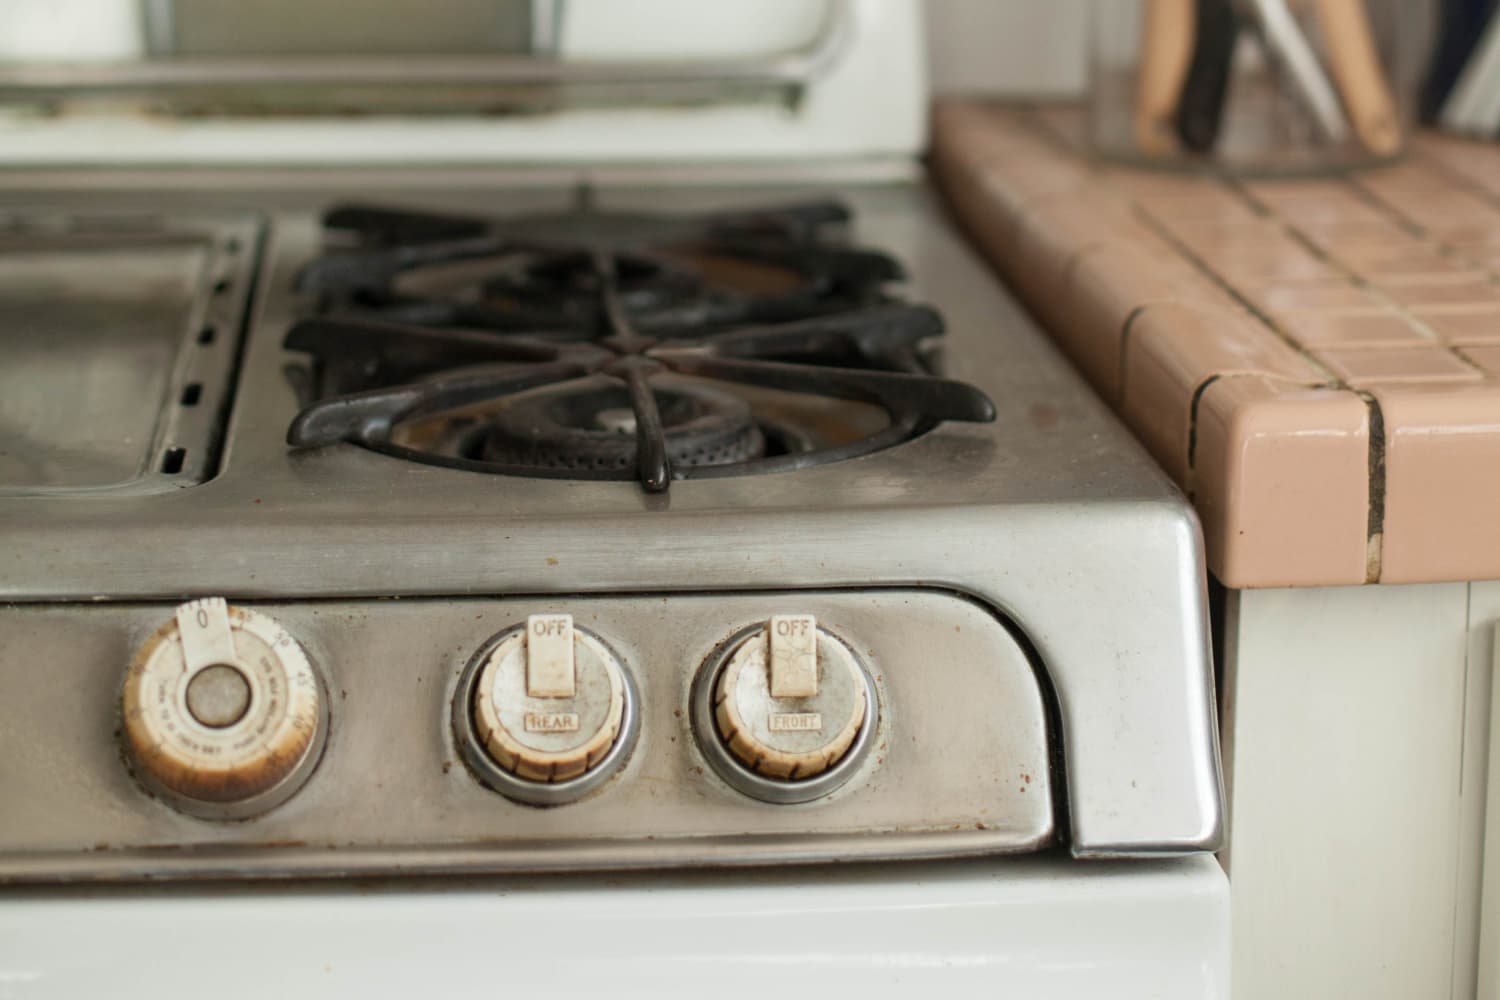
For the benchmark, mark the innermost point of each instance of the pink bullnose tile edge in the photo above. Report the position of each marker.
(1172, 349)
(1105, 287)
(1055, 231)
(1442, 478)
(1281, 482)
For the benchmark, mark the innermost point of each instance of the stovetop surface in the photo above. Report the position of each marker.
(1051, 446)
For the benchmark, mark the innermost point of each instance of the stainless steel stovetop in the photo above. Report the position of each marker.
(1024, 597)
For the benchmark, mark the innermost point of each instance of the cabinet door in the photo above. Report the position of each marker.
(1344, 720)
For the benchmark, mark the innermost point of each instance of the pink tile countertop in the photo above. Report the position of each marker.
(1315, 362)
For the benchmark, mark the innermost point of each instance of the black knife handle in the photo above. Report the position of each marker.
(1200, 112)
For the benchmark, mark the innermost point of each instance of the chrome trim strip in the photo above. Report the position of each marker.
(792, 69)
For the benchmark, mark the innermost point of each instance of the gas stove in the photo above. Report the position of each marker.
(528, 493)
(396, 439)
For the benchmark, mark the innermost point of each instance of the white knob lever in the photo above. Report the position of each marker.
(207, 639)
(794, 656)
(549, 656)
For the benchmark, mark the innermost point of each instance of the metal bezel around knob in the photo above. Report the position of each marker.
(526, 790)
(740, 776)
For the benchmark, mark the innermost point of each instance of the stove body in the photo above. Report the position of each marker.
(1025, 596)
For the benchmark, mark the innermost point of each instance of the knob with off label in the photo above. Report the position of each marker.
(223, 714)
(549, 706)
(790, 699)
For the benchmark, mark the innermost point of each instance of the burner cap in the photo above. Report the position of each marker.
(592, 426)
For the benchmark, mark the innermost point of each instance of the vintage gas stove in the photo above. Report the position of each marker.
(440, 522)
(663, 434)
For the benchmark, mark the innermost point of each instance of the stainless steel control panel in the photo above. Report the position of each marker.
(936, 733)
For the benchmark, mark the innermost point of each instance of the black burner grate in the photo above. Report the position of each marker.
(611, 345)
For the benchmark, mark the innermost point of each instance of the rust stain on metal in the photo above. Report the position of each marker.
(1043, 416)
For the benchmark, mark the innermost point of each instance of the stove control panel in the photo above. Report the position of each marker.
(516, 734)
(545, 711)
(782, 707)
(222, 712)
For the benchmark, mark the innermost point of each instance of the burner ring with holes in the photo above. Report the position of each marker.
(592, 426)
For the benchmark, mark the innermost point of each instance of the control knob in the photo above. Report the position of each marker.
(549, 702)
(224, 716)
(790, 699)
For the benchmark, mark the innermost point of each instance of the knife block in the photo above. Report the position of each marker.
(1253, 87)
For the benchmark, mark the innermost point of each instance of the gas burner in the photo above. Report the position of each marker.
(610, 345)
(591, 425)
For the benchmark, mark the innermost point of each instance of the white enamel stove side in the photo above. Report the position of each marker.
(1027, 927)
(870, 104)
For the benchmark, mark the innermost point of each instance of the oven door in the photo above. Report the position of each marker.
(1026, 927)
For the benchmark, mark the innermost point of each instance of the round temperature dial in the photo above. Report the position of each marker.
(550, 711)
(785, 710)
(223, 714)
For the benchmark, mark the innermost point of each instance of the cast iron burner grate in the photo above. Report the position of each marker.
(611, 345)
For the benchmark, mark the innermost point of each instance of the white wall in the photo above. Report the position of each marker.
(1020, 47)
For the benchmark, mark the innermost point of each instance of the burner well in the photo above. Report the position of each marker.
(592, 426)
(638, 306)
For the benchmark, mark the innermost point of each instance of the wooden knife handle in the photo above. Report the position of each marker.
(1361, 81)
(1166, 49)
(1200, 112)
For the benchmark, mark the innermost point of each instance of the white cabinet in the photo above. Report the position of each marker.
(1356, 733)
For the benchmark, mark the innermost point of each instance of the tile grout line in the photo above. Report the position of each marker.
(1348, 273)
(1373, 199)
(1375, 523)
(1420, 232)
(1191, 488)
(1490, 197)
(1466, 183)
(1459, 176)
(1164, 231)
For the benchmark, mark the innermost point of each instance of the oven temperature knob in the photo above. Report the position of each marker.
(223, 714)
(549, 701)
(790, 699)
